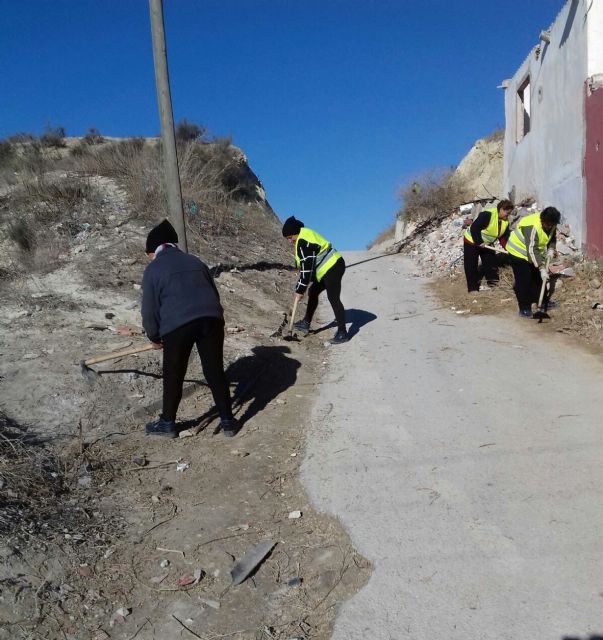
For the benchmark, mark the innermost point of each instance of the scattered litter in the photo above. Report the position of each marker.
(251, 560)
(294, 582)
(139, 461)
(214, 604)
(137, 287)
(238, 527)
(598, 306)
(182, 466)
(109, 316)
(234, 329)
(84, 571)
(294, 455)
(463, 312)
(31, 356)
(108, 553)
(160, 578)
(198, 575)
(99, 634)
(96, 326)
(185, 580)
(294, 515)
(241, 454)
(170, 551)
(126, 330)
(155, 499)
(164, 563)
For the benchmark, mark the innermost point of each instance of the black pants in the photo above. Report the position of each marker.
(528, 284)
(331, 281)
(208, 335)
(474, 272)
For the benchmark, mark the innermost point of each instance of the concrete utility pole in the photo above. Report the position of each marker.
(168, 139)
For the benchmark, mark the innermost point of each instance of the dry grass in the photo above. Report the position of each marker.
(431, 194)
(386, 234)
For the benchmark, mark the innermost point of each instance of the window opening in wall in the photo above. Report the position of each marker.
(523, 109)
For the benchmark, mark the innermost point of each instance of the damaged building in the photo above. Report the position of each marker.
(553, 147)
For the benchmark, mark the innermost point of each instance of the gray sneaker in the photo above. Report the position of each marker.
(230, 427)
(340, 337)
(162, 427)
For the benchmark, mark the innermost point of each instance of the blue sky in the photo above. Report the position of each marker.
(336, 103)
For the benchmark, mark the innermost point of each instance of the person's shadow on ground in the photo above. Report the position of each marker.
(356, 318)
(260, 377)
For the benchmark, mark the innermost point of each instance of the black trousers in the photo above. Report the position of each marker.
(208, 335)
(331, 281)
(528, 284)
(474, 272)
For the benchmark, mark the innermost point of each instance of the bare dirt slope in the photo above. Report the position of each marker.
(105, 533)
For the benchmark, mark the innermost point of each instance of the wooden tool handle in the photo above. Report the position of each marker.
(543, 288)
(293, 314)
(487, 246)
(118, 354)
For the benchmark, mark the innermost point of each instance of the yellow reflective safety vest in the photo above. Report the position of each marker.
(327, 256)
(491, 233)
(516, 243)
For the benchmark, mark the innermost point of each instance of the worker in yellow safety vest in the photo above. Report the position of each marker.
(529, 244)
(489, 226)
(321, 268)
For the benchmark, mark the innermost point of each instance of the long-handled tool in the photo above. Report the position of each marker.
(540, 314)
(491, 248)
(291, 336)
(92, 375)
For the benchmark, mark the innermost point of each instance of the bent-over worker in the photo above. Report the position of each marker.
(529, 245)
(181, 308)
(321, 268)
(489, 226)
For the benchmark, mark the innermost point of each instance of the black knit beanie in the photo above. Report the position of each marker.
(162, 233)
(292, 226)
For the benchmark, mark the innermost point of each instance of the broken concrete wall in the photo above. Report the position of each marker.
(546, 162)
(593, 111)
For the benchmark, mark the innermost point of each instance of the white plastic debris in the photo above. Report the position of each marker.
(294, 515)
(182, 466)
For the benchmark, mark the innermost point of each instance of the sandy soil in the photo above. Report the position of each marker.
(128, 545)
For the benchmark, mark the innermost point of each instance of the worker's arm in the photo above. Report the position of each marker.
(150, 308)
(505, 236)
(306, 253)
(479, 224)
(530, 239)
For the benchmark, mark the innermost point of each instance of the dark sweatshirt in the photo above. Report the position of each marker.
(176, 289)
(480, 223)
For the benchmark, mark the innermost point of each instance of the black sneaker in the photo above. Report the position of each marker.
(525, 313)
(162, 427)
(230, 427)
(340, 337)
(303, 326)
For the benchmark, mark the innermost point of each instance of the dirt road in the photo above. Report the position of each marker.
(463, 456)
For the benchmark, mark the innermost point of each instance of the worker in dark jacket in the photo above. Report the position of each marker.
(489, 226)
(181, 308)
(321, 267)
(531, 246)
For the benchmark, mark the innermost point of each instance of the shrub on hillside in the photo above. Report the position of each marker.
(53, 137)
(93, 136)
(20, 138)
(7, 153)
(431, 194)
(189, 131)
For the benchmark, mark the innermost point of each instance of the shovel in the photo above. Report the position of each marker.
(291, 337)
(92, 375)
(491, 248)
(540, 314)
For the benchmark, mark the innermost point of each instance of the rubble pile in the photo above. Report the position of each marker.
(438, 248)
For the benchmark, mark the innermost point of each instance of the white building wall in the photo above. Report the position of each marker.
(547, 163)
(594, 28)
